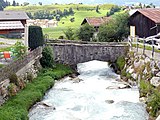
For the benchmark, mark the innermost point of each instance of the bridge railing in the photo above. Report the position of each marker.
(85, 42)
(140, 46)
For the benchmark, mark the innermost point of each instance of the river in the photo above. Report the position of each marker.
(94, 95)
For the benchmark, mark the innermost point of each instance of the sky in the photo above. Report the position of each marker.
(119, 2)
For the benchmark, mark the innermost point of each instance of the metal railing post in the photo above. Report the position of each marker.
(152, 48)
(144, 47)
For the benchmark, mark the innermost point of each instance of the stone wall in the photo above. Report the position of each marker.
(15, 66)
(74, 53)
(29, 65)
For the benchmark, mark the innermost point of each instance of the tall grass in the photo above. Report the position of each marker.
(16, 108)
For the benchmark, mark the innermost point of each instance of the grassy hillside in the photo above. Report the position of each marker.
(84, 11)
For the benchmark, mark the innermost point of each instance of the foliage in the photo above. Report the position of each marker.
(113, 10)
(154, 103)
(1, 65)
(12, 88)
(145, 88)
(35, 37)
(13, 78)
(115, 29)
(107, 32)
(19, 49)
(47, 60)
(86, 32)
(69, 33)
(29, 76)
(16, 108)
(120, 62)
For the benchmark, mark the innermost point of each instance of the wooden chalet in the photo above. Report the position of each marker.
(146, 22)
(95, 21)
(12, 22)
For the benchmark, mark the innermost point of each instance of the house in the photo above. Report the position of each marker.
(12, 23)
(95, 21)
(146, 22)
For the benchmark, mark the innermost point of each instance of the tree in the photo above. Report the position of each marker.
(25, 3)
(86, 32)
(115, 29)
(47, 60)
(14, 3)
(40, 3)
(71, 11)
(97, 8)
(69, 33)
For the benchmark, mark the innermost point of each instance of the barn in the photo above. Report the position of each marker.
(12, 23)
(146, 22)
(95, 21)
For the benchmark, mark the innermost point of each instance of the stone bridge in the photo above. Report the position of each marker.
(74, 52)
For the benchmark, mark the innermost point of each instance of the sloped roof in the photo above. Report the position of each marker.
(151, 13)
(13, 15)
(6, 25)
(96, 21)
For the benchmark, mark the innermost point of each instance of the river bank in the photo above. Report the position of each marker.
(145, 72)
(94, 95)
(17, 107)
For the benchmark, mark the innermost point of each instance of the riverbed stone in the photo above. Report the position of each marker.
(158, 74)
(158, 118)
(158, 65)
(109, 101)
(155, 81)
(138, 64)
(147, 60)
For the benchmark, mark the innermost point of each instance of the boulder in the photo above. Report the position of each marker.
(158, 118)
(138, 64)
(147, 59)
(155, 81)
(158, 74)
(158, 65)
(109, 101)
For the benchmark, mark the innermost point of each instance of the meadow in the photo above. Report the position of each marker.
(82, 12)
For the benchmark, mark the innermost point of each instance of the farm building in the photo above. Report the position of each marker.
(95, 21)
(146, 22)
(12, 23)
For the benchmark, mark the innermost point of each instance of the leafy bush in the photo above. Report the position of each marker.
(115, 29)
(35, 37)
(29, 76)
(13, 78)
(19, 49)
(85, 32)
(154, 102)
(145, 88)
(69, 33)
(47, 60)
(120, 62)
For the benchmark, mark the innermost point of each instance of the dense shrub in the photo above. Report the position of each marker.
(120, 63)
(19, 49)
(13, 78)
(86, 32)
(47, 60)
(116, 29)
(69, 33)
(35, 37)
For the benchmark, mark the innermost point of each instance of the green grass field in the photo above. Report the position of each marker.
(83, 12)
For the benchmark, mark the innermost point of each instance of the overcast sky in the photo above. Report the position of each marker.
(120, 2)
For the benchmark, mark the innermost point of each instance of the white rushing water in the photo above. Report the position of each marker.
(90, 98)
